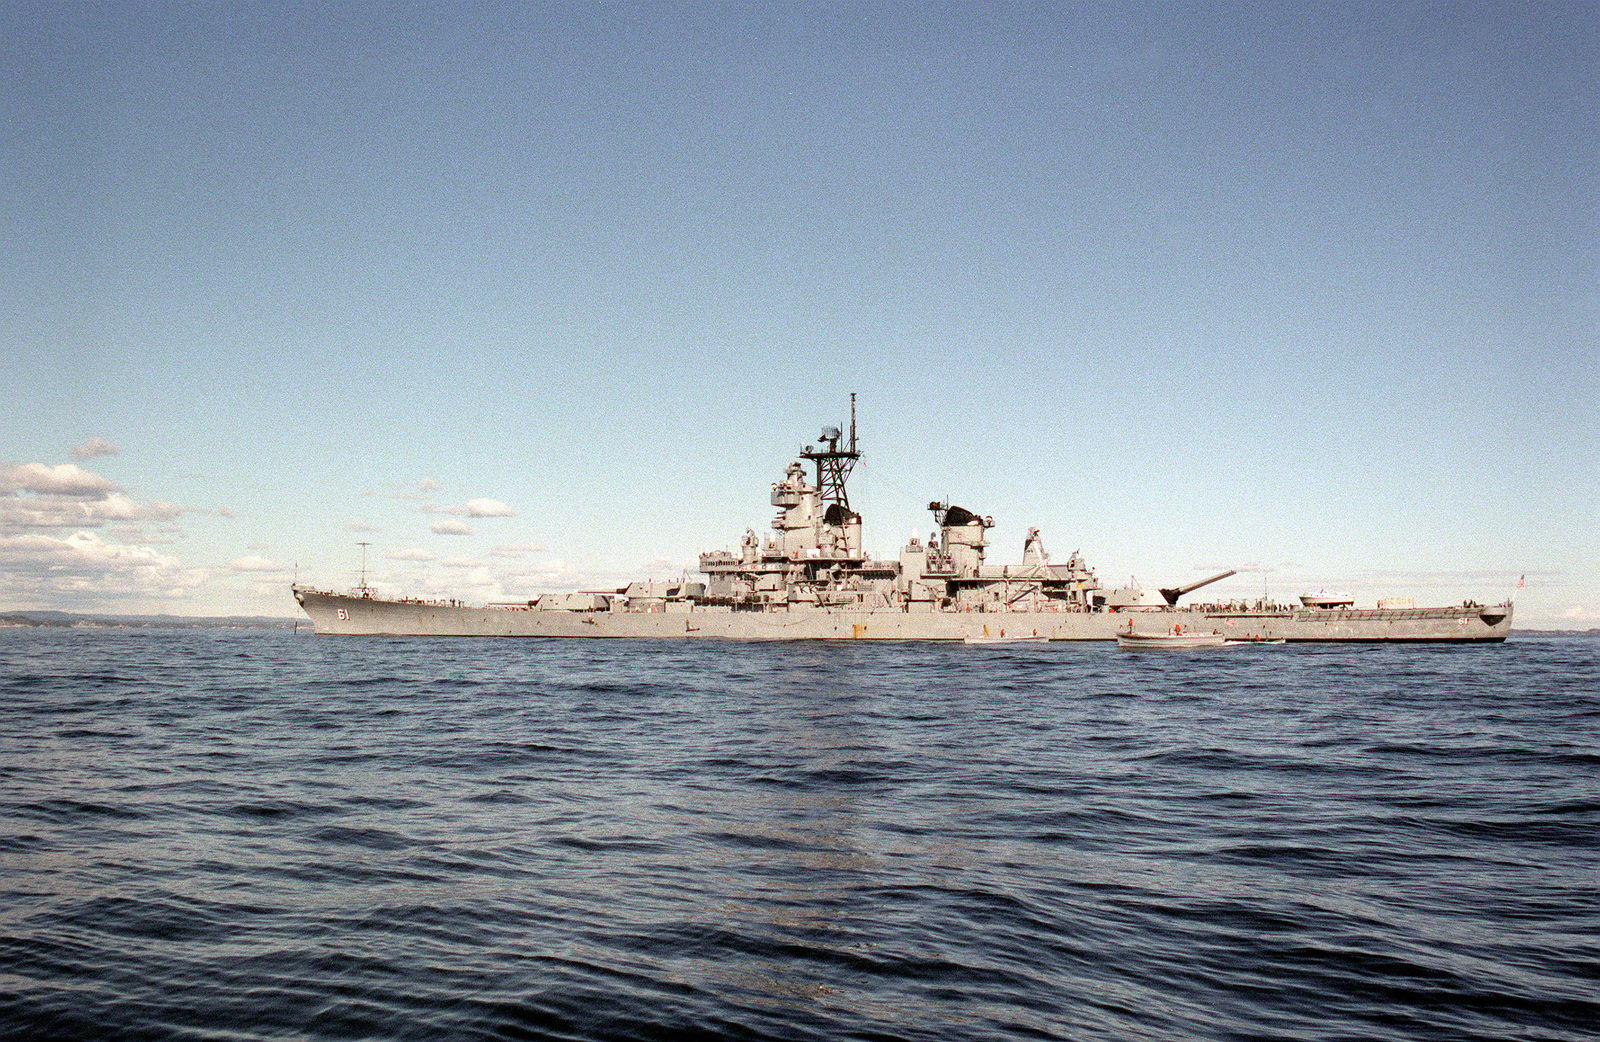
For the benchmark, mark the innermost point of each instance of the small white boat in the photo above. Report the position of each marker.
(1176, 641)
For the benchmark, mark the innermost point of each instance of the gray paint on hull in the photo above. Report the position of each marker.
(342, 614)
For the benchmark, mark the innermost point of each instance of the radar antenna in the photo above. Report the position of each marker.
(835, 458)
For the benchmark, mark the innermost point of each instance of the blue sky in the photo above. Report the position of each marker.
(534, 297)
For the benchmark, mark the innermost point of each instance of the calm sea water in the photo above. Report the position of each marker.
(209, 835)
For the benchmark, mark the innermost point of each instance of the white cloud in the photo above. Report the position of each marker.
(661, 566)
(94, 447)
(118, 507)
(252, 563)
(223, 511)
(359, 526)
(482, 507)
(416, 491)
(62, 511)
(72, 512)
(67, 479)
(409, 554)
(420, 493)
(559, 575)
(516, 549)
(450, 527)
(85, 570)
(488, 508)
(35, 495)
(458, 562)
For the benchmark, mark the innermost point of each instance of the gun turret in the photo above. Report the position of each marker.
(1175, 592)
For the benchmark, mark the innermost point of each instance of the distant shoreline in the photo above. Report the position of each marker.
(1593, 631)
(84, 620)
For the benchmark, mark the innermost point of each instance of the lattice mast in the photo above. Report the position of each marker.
(835, 458)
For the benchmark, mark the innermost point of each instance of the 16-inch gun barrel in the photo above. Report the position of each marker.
(1172, 594)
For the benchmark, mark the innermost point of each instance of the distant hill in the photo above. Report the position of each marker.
(1593, 631)
(77, 620)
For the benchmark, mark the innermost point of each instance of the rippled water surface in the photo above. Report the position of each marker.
(212, 835)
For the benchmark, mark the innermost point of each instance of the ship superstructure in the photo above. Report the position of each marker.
(809, 578)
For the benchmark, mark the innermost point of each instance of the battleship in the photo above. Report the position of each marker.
(809, 579)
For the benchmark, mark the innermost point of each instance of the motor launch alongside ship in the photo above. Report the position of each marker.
(809, 579)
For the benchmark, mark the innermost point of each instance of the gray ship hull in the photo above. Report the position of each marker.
(352, 615)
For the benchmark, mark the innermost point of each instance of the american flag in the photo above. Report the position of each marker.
(1520, 579)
